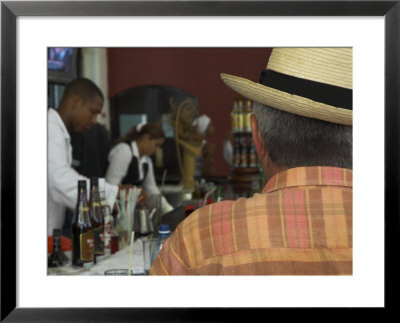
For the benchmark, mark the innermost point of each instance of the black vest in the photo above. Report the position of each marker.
(132, 177)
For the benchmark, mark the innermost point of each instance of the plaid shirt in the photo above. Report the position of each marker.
(301, 224)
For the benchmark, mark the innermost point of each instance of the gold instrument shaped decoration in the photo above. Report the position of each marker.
(187, 136)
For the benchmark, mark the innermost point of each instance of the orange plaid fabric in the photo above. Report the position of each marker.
(301, 224)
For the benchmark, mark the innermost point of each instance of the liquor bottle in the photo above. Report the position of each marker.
(236, 150)
(57, 257)
(96, 216)
(253, 156)
(108, 219)
(247, 114)
(219, 193)
(243, 150)
(197, 192)
(82, 232)
(118, 236)
(120, 231)
(240, 116)
(234, 117)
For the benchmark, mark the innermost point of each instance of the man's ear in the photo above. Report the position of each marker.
(258, 140)
(75, 101)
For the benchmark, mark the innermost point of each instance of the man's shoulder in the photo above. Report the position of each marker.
(55, 126)
(51, 115)
(214, 212)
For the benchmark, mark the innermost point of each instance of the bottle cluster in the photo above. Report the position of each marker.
(92, 225)
(244, 152)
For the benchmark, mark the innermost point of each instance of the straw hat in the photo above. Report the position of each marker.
(311, 82)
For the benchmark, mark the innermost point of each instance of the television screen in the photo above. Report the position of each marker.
(62, 64)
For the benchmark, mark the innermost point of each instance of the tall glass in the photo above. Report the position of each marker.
(117, 272)
(148, 246)
(154, 202)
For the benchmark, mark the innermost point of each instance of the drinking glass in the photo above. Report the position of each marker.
(148, 246)
(154, 202)
(117, 272)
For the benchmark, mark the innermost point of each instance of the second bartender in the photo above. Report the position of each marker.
(130, 162)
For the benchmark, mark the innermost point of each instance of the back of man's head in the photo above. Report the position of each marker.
(84, 88)
(293, 141)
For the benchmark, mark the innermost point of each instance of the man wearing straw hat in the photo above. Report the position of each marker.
(301, 222)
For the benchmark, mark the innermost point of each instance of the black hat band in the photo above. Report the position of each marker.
(320, 92)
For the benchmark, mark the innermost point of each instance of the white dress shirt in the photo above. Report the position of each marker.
(120, 158)
(62, 189)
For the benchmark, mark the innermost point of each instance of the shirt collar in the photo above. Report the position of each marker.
(135, 151)
(310, 176)
(60, 122)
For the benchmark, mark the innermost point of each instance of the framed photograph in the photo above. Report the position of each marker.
(29, 28)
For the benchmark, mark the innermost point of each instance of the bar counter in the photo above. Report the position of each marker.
(118, 260)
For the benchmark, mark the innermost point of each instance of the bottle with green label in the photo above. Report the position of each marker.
(219, 193)
(82, 231)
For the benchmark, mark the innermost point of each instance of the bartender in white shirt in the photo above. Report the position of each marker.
(130, 162)
(82, 101)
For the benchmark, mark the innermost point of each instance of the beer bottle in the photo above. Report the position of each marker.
(236, 150)
(233, 117)
(243, 157)
(219, 193)
(240, 116)
(108, 219)
(247, 114)
(243, 150)
(97, 219)
(82, 233)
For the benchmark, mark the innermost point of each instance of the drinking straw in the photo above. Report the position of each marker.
(128, 215)
(122, 195)
(118, 207)
(119, 215)
(133, 198)
(152, 213)
(132, 207)
(207, 194)
(163, 178)
(122, 206)
(130, 253)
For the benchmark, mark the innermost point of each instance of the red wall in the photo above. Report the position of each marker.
(195, 70)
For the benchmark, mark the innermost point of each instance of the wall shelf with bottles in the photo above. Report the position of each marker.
(245, 171)
(244, 152)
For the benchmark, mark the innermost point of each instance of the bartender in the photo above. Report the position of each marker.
(79, 107)
(130, 162)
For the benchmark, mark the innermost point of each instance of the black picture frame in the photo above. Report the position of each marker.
(10, 10)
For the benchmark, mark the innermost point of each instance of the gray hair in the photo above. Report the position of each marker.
(293, 141)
